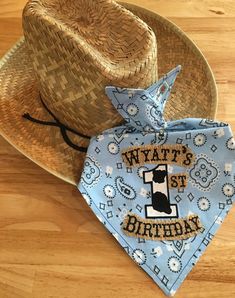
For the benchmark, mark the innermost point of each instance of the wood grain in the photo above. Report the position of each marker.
(51, 244)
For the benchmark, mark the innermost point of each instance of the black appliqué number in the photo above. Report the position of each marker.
(161, 206)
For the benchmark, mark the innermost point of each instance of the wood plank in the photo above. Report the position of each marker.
(52, 245)
(173, 8)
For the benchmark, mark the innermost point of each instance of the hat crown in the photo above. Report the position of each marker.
(79, 47)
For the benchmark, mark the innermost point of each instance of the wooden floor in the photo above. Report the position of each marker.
(51, 245)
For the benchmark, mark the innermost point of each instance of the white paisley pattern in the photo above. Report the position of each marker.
(115, 191)
(205, 173)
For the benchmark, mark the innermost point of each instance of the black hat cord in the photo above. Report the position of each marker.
(63, 128)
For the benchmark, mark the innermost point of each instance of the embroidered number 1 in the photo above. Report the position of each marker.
(161, 206)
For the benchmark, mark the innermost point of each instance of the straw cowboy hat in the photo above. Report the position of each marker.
(52, 82)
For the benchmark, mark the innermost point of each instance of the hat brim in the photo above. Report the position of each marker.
(194, 95)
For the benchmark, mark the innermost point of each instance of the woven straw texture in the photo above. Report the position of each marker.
(193, 95)
(195, 92)
(78, 48)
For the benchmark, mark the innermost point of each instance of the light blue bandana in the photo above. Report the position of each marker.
(161, 188)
